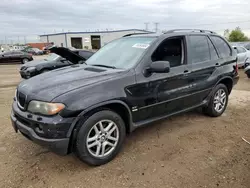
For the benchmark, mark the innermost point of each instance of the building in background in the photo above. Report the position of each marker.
(88, 40)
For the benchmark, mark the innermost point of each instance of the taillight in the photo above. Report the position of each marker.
(236, 66)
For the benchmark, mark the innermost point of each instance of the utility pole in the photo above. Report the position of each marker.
(146, 26)
(156, 26)
(24, 39)
(5, 40)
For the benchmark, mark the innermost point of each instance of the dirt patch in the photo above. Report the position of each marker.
(189, 150)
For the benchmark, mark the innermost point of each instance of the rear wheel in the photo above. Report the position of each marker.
(218, 101)
(100, 138)
(25, 60)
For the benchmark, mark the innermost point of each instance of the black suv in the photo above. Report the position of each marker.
(132, 81)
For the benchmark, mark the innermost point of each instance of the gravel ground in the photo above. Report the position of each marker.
(189, 150)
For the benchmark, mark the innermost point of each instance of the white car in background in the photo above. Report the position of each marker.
(243, 56)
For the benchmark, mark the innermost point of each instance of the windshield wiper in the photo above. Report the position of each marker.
(106, 66)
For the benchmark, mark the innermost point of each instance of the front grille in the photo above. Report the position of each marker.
(21, 99)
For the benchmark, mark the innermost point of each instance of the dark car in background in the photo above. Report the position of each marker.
(53, 61)
(15, 56)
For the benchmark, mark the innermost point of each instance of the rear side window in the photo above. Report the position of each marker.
(213, 52)
(222, 47)
(199, 49)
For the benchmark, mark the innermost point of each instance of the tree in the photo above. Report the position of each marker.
(237, 35)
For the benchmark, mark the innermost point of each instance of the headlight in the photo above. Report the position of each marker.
(45, 108)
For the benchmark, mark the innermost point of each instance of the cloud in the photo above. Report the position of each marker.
(31, 18)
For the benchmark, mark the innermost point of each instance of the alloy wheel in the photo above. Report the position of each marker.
(102, 138)
(220, 100)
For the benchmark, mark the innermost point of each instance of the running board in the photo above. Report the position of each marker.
(145, 122)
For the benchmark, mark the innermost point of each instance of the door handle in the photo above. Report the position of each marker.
(217, 64)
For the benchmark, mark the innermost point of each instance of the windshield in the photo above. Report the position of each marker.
(122, 53)
(52, 57)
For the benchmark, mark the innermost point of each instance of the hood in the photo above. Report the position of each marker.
(67, 54)
(47, 86)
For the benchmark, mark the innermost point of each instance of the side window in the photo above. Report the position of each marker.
(171, 50)
(213, 53)
(84, 54)
(199, 49)
(241, 50)
(7, 53)
(222, 47)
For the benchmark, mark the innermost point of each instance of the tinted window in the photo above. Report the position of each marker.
(222, 46)
(199, 49)
(170, 50)
(85, 54)
(7, 53)
(213, 53)
(240, 50)
(16, 53)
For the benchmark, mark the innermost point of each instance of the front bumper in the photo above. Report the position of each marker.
(49, 132)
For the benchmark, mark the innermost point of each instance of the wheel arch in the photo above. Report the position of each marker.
(228, 82)
(117, 106)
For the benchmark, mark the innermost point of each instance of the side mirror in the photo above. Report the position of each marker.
(159, 67)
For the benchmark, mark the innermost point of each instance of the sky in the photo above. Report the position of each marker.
(24, 20)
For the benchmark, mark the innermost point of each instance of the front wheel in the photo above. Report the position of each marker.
(218, 101)
(100, 138)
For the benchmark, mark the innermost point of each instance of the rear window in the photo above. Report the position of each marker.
(222, 47)
(199, 49)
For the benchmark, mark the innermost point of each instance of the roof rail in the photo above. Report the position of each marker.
(130, 34)
(189, 30)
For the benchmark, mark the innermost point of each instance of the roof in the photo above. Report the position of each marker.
(114, 31)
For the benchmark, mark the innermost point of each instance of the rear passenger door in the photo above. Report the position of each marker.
(204, 60)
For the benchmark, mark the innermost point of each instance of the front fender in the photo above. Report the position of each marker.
(85, 111)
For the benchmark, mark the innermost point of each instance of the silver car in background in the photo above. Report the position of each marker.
(243, 56)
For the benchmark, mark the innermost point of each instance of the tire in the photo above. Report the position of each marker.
(248, 75)
(212, 109)
(87, 131)
(25, 60)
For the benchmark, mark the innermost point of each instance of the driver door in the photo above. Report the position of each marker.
(161, 94)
